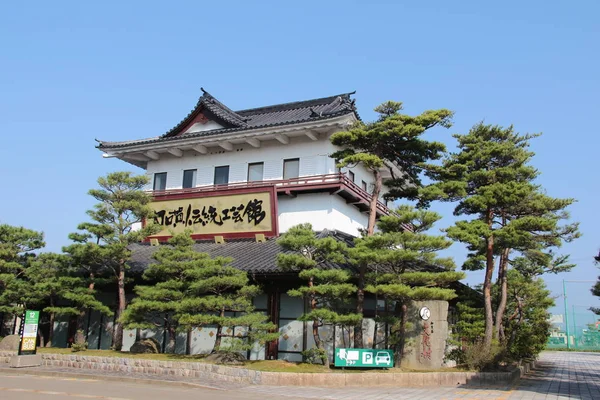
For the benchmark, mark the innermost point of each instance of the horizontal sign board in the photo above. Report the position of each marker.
(364, 358)
(221, 213)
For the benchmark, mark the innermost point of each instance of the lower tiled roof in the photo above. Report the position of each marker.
(247, 254)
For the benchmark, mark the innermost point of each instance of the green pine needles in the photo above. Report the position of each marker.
(405, 267)
(328, 289)
(508, 214)
(192, 290)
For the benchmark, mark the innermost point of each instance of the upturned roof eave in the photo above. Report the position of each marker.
(222, 134)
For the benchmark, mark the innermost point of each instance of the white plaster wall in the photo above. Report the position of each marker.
(323, 211)
(347, 218)
(313, 208)
(313, 155)
(200, 127)
(314, 160)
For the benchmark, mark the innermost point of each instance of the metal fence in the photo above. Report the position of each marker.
(583, 331)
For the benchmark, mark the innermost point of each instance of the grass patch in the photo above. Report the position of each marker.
(112, 353)
(284, 366)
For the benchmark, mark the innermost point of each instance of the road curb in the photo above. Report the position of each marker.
(110, 378)
(220, 374)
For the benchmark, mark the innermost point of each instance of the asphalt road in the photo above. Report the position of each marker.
(559, 375)
(27, 387)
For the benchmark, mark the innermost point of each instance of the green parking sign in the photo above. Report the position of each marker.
(364, 358)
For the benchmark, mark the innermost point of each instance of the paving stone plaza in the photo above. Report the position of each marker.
(558, 375)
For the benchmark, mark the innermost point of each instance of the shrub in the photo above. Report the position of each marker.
(477, 357)
(79, 344)
(315, 356)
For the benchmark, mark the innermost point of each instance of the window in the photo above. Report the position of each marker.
(222, 175)
(291, 168)
(189, 178)
(160, 181)
(364, 185)
(255, 171)
(351, 175)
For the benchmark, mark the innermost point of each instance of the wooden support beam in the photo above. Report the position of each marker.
(282, 138)
(226, 145)
(176, 152)
(313, 135)
(253, 142)
(152, 154)
(200, 149)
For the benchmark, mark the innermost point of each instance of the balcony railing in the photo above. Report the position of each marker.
(335, 183)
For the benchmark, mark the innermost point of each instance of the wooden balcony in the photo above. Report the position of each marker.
(334, 184)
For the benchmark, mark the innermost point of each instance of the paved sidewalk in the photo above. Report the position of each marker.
(558, 375)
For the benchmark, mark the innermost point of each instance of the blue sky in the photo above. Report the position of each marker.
(74, 71)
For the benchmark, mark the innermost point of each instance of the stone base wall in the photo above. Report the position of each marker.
(243, 375)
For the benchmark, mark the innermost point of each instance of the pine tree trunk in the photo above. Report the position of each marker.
(219, 332)
(360, 293)
(81, 319)
(373, 202)
(374, 334)
(401, 335)
(172, 337)
(41, 337)
(487, 284)
(188, 342)
(360, 304)
(503, 282)
(118, 328)
(513, 334)
(315, 324)
(51, 330)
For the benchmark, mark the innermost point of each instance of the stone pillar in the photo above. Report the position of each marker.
(426, 340)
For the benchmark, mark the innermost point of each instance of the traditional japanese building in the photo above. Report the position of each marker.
(280, 153)
(238, 179)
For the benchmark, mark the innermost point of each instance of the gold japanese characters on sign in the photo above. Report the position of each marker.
(215, 215)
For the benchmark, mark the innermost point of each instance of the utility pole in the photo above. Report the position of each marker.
(566, 314)
(567, 310)
(574, 328)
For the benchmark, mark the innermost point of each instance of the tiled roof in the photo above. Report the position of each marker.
(247, 254)
(255, 118)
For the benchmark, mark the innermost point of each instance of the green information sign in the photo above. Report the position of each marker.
(364, 358)
(29, 332)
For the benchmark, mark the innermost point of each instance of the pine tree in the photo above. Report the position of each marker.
(528, 304)
(122, 205)
(531, 228)
(492, 181)
(327, 287)
(394, 139)
(56, 287)
(200, 291)
(408, 268)
(157, 305)
(16, 247)
(89, 257)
